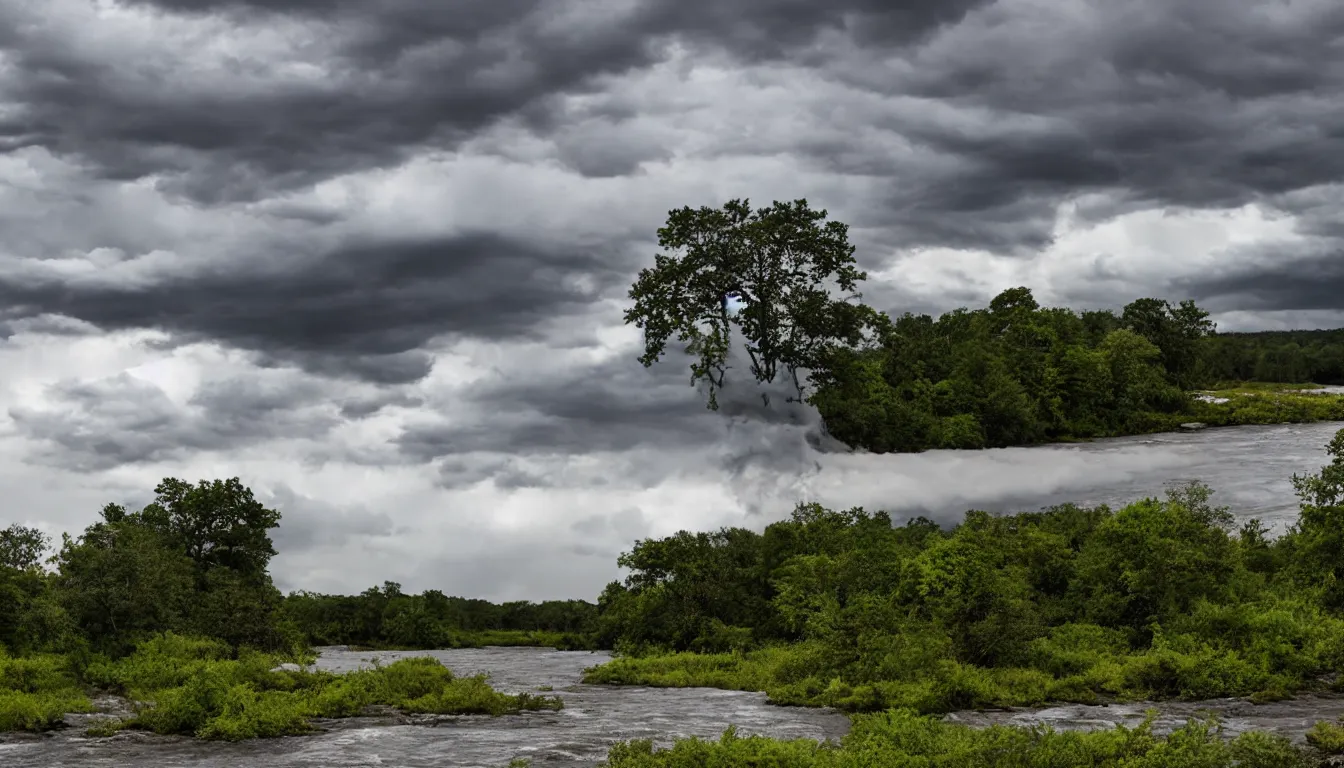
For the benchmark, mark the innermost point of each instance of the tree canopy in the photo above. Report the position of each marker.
(782, 263)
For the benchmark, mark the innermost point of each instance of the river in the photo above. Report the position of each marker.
(1249, 467)
(577, 735)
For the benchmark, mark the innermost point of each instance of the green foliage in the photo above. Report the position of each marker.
(180, 565)
(902, 739)
(172, 605)
(37, 691)
(1158, 599)
(1327, 737)
(200, 687)
(1013, 374)
(780, 261)
(215, 523)
(1319, 535)
(21, 547)
(384, 617)
(1274, 356)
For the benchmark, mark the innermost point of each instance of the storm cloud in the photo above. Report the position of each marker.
(372, 256)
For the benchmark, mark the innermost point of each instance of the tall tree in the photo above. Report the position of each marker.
(215, 522)
(21, 547)
(1175, 331)
(779, 264)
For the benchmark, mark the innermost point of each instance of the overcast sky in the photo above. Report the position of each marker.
(371, 255)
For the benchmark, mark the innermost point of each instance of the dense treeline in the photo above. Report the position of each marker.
(192, 562)
(1015, 373)
(1161, 598)
(386, 617)
(1316, 356)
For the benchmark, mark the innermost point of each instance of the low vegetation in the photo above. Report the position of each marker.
(902, 738)
(201, 688)
(205, 688)
(36, 692)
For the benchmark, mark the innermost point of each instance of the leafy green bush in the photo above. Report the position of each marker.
(1327, 737)
(36, 692)
(1159, 599)
(193, 687)
(902, 739)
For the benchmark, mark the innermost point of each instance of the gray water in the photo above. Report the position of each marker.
(578, 735)
(1249, 468)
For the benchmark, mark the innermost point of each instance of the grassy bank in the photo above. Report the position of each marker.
(1261, 403)
(902, 739)
(202, 688)
(37, 691)
(1265, 651)
(1232, 404)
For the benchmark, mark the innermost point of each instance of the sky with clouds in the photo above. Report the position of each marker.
(371, 255)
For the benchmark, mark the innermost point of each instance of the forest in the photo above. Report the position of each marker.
(1015, 373)
(782, 285)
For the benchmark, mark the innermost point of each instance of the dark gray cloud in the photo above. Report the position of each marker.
(1314, 283)
(101, 424)
(1156, 103)
(308, 523)
(399, 75)
(530, 427)
(612, 406)
(364, 310)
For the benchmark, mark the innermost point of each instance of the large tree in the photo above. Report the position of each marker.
(1174, 330)
(21, 547)
(781, 264)
(216, 523)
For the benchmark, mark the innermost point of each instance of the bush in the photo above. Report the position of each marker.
(902, 739)
(37, 692)
(192, 687)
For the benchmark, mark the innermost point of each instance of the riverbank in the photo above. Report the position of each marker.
(203, 688)
(1232, 404)
(902, 738)
(593, 717)
(1161, 600)
(1261, 403)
